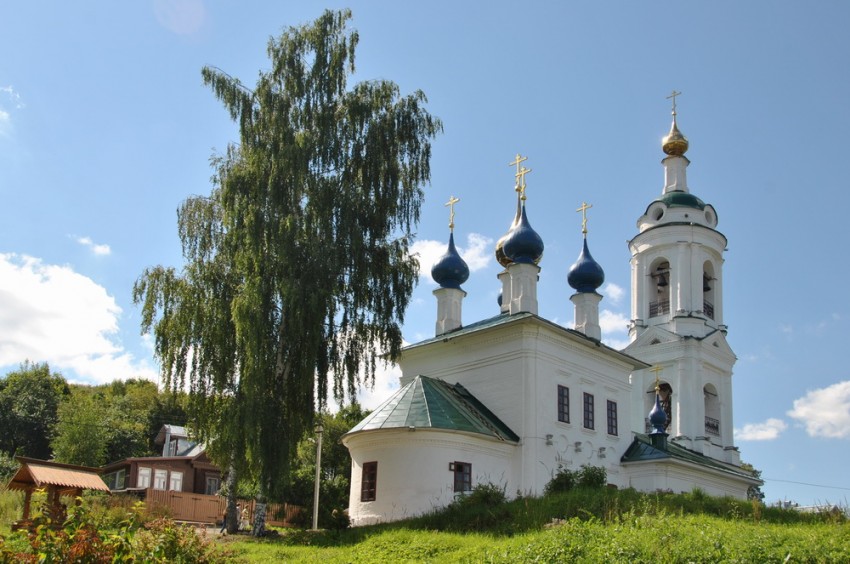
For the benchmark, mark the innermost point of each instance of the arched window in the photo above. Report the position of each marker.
(659, 288)
(712, 410)
(708, 281)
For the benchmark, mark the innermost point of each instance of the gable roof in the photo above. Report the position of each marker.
(641, 450)
(432, 403)
(40, 473)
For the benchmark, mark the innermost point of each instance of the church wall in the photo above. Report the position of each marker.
(413, 475)
(514, 370)
(680, 477)
(572, 445)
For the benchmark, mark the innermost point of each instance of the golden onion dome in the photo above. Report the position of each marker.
(675, 143)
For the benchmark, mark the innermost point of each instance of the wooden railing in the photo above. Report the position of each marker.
(708, 308)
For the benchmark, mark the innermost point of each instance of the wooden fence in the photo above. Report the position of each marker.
(200, 508)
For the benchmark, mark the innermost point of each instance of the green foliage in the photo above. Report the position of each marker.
(11, 505)
(592, 476)
(336, 467)
(585, 477)
(81, 539)
(563, 481)
(582, 525)
(29, 400)
(81, 431)
(753, 492)
(297, 265)
(8, 467)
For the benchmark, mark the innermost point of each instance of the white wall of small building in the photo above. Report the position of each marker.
(413, 475)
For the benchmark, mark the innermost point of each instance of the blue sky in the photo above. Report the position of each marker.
(105, 127)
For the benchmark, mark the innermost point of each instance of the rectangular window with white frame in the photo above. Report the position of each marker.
(160, 479)
(176, 482)
(144, 479)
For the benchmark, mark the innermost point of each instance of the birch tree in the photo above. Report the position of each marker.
(297, 265)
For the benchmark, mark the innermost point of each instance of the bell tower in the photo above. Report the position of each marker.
(677, 311)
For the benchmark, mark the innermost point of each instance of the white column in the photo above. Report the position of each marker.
(587, 314)
(505, 278)
(675, 177)
(449, 302)
(523, 294)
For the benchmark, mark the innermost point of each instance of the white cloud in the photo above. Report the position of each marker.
(476, 253)
(13, 95)
(614, 292)
(611, 322)
(386, 384)
(767, 431)
(825, 412)
(96, 248)
(50, 313)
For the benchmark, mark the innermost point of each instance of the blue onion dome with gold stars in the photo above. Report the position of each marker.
(586, 275)
(450, 270)
(657, 416)
(523, 245)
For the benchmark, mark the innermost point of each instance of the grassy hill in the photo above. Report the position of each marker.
(582, 525)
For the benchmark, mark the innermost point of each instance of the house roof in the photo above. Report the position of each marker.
(42, 473)
(435, 404)
(504, 319)
(641, 449)
(175, 431)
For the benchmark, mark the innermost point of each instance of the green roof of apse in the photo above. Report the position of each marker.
(432, 403)
(642, 449)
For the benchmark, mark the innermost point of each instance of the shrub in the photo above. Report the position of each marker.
(79, 539)
(563, 481)
(592, 476)
(484, 495)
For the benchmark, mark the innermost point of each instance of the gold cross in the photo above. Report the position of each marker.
(451, 204)
(521, 181)
(657, 369)
(516, 162)
(583, 209)
(673, 96)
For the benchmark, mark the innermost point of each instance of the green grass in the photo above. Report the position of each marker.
(590, 526)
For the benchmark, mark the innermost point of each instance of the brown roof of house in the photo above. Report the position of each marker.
(41, 473)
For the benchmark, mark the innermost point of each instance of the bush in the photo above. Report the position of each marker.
(592, 476)
(484, 495)
(79, 539)
(563, 481)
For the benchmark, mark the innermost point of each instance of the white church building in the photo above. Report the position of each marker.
(512, 399)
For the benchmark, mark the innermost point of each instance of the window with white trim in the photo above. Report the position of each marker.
(176, 482)
(160, 478)
(144, 479)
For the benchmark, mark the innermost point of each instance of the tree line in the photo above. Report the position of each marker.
(43, 416)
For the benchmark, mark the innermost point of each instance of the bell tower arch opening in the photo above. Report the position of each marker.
(659, 288)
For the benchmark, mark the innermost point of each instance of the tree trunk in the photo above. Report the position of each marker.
(259, 528)
(232, 516)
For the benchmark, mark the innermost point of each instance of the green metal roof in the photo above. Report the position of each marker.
(677, 198)
(641, 449)
(435, 404)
